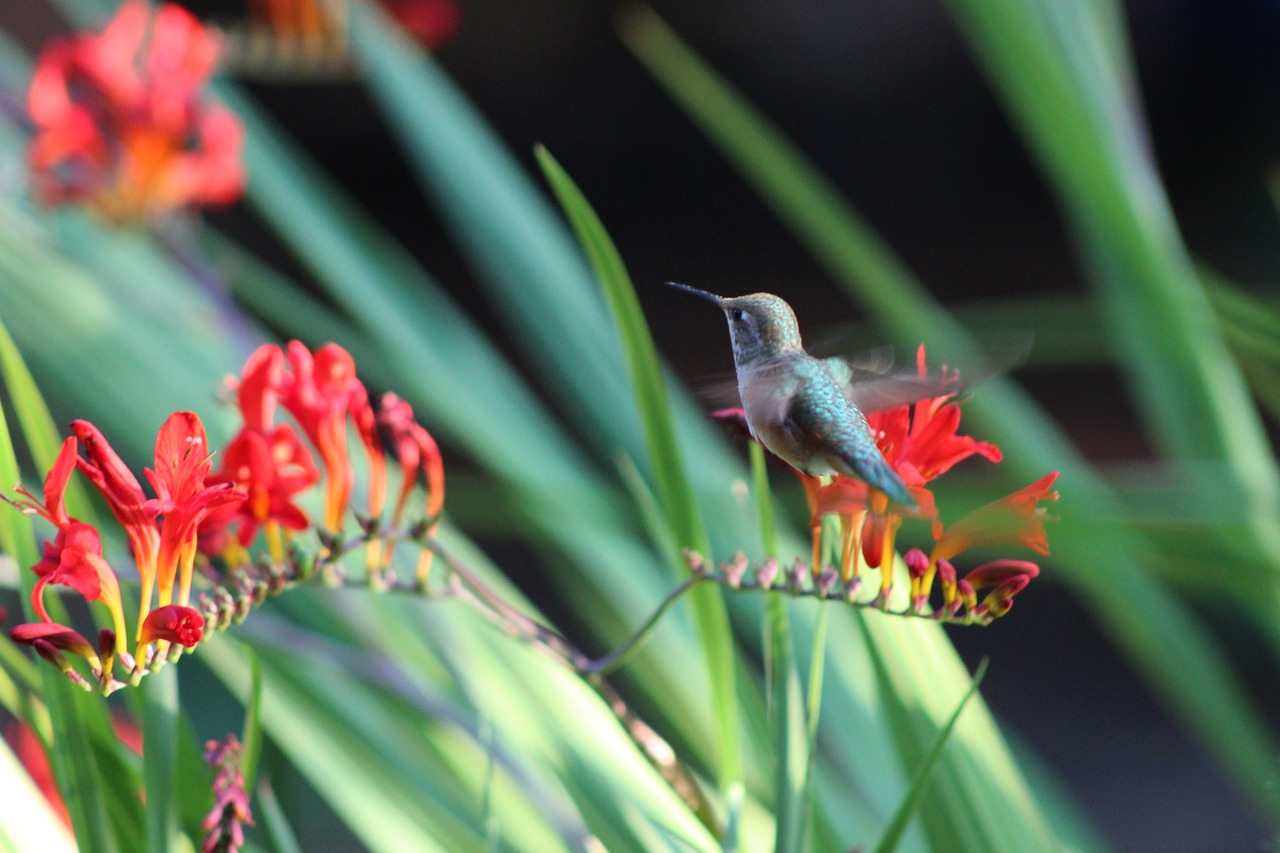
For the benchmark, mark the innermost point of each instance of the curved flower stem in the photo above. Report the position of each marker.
(622, 653)
(519, 623)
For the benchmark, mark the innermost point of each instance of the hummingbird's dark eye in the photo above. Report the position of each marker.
(737, 315)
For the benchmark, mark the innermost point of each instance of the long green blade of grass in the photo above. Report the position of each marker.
(924, 774)
(73, 713)
(665, 460)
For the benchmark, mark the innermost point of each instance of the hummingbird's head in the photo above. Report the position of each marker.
(761, 325)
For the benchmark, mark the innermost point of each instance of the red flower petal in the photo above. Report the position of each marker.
(58, 636)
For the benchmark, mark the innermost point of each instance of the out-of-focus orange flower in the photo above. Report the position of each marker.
(430, 22)
(414, 448)
(121, 125)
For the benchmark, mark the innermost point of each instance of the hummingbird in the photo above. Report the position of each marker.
(809, 411)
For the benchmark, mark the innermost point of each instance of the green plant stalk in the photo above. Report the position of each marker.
(251, 736)
(791, 753)
(666, 460)
(159, 745)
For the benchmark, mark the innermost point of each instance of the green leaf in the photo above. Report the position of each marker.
(251, 737)
(924, 773)
(665, 457)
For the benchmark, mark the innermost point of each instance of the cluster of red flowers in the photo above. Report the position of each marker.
(921, 442)
(265, 467)
(121, 125)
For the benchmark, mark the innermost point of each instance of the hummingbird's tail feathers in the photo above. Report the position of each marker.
(877, 472)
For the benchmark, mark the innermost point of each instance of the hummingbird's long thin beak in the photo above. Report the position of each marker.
(710, 297)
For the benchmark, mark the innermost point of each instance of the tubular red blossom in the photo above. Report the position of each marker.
(317, 393)
(270, 468)
(1014, 519)
(75, 559)
(110, 476)
(258, 390)
(120, 124)
(414, 447)
(366, 422)
(917, 562)
(59, 637)
(999, 571)
(174, 623)
(266, 461)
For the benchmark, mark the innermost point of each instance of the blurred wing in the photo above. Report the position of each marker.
(719, 392)
(876, 393)
(873, 384)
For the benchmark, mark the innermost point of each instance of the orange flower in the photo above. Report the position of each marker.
(1015, 519)
(920, 442)
(119, 122)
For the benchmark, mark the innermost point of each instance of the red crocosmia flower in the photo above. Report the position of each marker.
(271, 469)
(174, 623)
(1008, 577)
(74, 558)
(414, 448)
(268, 462)
(1014, 519)
(120, 125)
(258, 389)
(919, 441)
(320, 391)
(55, 487)
(183, 499)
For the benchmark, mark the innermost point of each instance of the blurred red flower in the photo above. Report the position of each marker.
(120, 124)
